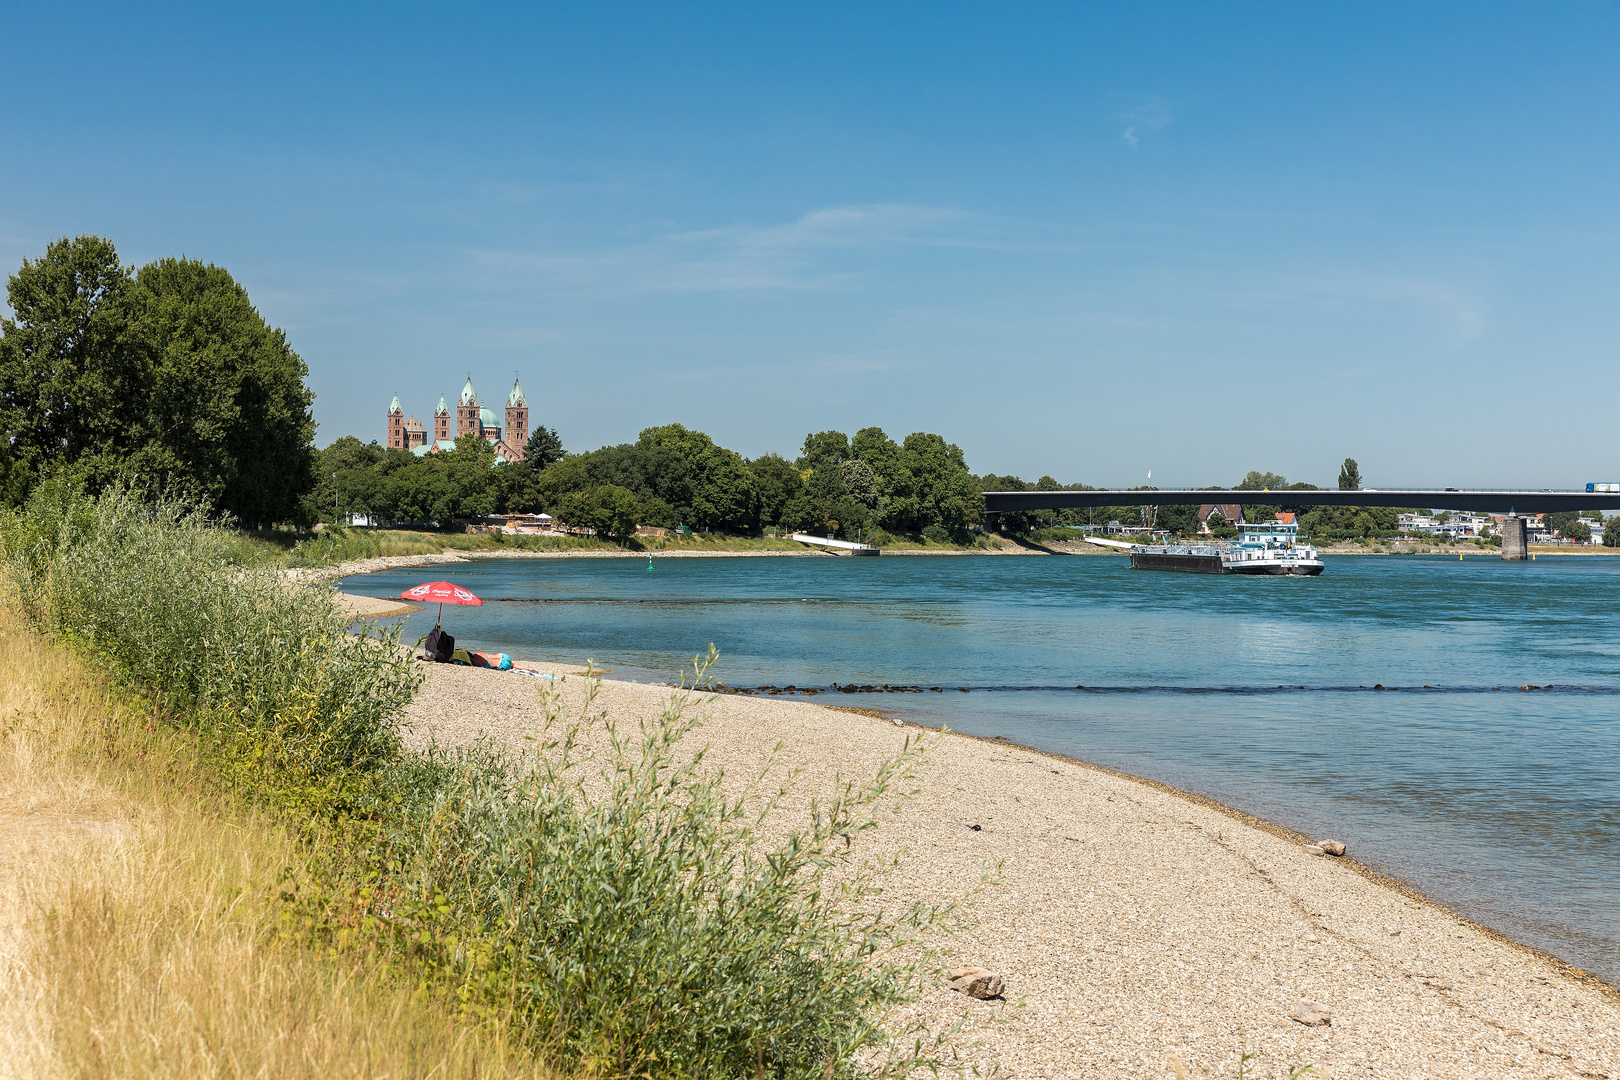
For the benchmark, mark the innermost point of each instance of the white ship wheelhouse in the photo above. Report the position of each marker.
(1268, 534)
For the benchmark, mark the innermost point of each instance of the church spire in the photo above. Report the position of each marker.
(516, 396)
(468, 395)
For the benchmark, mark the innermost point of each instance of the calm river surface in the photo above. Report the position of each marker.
(1259, 692)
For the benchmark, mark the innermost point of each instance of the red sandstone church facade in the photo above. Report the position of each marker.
(471, 419)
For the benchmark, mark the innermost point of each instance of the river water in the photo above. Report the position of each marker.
(1262, 693)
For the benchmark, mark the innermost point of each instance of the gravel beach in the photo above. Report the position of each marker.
(1139, 930)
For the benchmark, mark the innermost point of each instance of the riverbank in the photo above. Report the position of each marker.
(390, 562)
(1133, 923)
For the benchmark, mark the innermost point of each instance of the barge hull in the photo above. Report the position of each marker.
(1186, 564)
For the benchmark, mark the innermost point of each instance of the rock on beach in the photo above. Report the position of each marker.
(975, 982)
(1313, 1014)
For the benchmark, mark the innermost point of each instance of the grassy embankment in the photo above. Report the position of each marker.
(143, 932)
(228, 865)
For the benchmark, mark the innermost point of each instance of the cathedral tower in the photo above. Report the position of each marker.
(441, 422)
(467, 411)
(396, 426)
(517, 417)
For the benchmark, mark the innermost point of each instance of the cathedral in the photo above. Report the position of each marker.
(471, 418)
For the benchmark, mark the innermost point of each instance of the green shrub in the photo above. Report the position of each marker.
(333, 546)
(645, 919)
(268, 672)
(637, 919)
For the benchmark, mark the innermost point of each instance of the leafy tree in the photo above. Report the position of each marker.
(801, 514)
(822, 466)
(609, 509)
(469, 472)
(927, 483)
(1015, 522)
(823, 449)
(777, 483)
(347, 479)
(711, 487)
(1611, 532)
(657, 512)
(1562, 520)
(618, 510)
(860, 483)
(167, 378)
(1349, 475)
(1261, 481)
(544, 448)
(1578, 531)
(1179, 519)
(227, 411)
(1218, 526)
(73, 364)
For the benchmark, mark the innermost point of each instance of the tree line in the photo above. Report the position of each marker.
(166, 378)
(868, 486)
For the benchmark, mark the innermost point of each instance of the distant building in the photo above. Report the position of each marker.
(471, 418)
(1456, 526)
(1231, 513)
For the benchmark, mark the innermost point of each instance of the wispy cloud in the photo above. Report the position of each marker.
(1148, 117)
(817, 250)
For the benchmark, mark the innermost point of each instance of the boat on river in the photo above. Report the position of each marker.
(1272, 547)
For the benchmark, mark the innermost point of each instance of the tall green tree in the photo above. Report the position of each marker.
(1349, 475)
(709, 486)
(226, 409)
(73, 366)
(777, 483)
(167, 378)
(544, 448)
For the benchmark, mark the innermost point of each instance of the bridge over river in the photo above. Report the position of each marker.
(1514, 504)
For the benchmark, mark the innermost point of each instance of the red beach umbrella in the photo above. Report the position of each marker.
(443, 592)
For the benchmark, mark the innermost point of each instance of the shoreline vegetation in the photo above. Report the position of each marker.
(359, 551)
(418, 869)
(592, 901)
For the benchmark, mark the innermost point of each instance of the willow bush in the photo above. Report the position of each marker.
(269, 673)
(648, 922)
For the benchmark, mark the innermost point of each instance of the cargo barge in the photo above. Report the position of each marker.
(1272, 548)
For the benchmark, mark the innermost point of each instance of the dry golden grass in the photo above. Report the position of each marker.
(136, 925)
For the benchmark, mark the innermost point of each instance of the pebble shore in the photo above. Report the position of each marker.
(1139, 931)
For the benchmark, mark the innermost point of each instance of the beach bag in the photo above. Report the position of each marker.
(439, 645)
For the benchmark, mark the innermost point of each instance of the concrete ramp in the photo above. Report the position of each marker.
(836, 546)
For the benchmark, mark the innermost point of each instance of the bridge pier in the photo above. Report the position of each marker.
(991, 521)
(1515, 545)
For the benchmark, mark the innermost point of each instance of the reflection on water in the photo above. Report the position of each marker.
(1502, 802)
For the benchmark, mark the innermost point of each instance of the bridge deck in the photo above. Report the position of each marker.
(1479, 502)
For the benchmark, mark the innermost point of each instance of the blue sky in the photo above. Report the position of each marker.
(1074, 239)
